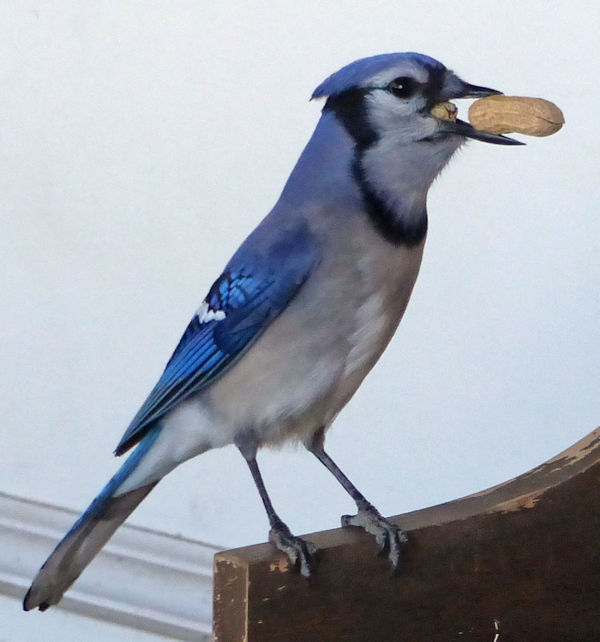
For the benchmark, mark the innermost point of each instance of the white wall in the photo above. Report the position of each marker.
(62, 625)
(141, 141)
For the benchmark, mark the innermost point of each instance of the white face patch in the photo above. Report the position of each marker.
(400, 117)
(205, 314)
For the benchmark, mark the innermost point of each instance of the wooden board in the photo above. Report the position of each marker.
(518, 562)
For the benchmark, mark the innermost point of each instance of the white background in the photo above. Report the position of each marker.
(140, 142)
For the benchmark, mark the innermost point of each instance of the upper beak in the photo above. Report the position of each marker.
(466, 90)
(454, 87)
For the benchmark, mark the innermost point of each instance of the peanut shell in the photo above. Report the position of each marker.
(445, 111)
(508, 114)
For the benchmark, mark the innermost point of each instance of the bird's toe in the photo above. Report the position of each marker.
(301, 553)
(390, 538)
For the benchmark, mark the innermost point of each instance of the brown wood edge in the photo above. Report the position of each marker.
(233, 568)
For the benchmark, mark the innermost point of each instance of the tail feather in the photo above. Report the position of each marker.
(89, 534)
(79, 547)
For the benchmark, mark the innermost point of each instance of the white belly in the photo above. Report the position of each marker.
(302, 370)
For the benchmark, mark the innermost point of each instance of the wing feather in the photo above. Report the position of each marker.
(252, 291)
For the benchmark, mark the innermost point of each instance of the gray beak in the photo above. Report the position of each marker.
(454, 87)
(465, 90)
(462, 128)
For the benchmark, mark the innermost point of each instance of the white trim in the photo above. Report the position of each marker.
(142, 579)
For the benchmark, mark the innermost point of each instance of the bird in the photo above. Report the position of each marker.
(302, 311)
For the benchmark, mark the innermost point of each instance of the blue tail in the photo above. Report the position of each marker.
(89, 533)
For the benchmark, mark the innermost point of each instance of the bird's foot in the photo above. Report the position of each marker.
(390, 538)
(300, 553)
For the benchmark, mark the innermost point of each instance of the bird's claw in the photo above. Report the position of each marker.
(389, 537)
(301, 553)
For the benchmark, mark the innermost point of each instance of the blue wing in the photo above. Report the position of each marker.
(254, 289)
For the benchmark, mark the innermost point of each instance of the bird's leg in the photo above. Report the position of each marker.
(389, 537)
(299, 552)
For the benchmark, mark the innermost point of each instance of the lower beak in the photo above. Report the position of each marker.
(462, 128)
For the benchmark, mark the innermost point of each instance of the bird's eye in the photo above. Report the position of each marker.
(403, 87)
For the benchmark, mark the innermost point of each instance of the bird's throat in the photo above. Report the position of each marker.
(399, 221)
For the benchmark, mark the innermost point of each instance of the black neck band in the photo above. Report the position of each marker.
(349, 107)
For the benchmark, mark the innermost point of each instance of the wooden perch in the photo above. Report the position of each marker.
(519, 562)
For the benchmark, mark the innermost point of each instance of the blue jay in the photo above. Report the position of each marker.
(302, 311)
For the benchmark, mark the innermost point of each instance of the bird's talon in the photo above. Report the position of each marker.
(300, 553)
(390, 538)
(382, 539)
(311, 548)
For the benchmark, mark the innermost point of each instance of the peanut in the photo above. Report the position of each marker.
(507, 114)
(445, 111)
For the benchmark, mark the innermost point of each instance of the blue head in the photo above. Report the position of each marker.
(378, 113)
(397, 91)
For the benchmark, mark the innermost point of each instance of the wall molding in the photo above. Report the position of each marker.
(143, 579)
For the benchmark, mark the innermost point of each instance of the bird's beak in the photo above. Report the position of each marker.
(466, 90)
(463, 128)
(454, 87)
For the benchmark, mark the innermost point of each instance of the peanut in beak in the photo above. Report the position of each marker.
(508, 114)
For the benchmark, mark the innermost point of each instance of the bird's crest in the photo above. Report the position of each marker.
(358, 73)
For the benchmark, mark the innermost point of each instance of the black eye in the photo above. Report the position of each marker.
(403, 87)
